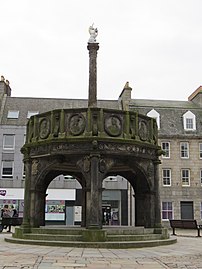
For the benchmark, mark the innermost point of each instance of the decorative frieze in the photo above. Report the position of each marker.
(92, 122)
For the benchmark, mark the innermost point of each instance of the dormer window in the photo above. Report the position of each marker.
(154, 114)
(189, 121)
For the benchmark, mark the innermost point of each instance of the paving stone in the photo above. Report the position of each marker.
(185, 254)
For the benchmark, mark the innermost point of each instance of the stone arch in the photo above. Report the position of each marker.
(140, 174)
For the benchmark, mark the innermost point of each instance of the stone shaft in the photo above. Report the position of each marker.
(92, 91)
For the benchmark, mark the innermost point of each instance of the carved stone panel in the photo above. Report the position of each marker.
(143, 131)
(44, 128)
(77, 124)
(113, 125)
(35, 164)
(56, 125)
(30, 130)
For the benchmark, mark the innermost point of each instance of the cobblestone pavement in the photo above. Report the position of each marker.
(185, 254)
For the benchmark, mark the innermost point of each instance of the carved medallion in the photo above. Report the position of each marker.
(143, 130)
(77, 124)
(44, 128)
(113, 126)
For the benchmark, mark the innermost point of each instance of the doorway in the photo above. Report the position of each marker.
(187, 211)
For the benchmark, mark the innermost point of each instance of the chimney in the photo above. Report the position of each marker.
(5, 87)
(125, 97)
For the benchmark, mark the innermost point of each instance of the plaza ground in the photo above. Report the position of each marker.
(186, 253)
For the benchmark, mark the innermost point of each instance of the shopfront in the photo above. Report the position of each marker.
(55, 208)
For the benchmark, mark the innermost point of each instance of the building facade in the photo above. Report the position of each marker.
(180, 136)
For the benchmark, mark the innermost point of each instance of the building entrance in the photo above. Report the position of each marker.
(187, 211)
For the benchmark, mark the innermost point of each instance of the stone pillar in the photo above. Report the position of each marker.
(37, 208)
(40, 200)
(83, 220)
(92, 91)
(157, 195)
(94, 195)
(27, 200)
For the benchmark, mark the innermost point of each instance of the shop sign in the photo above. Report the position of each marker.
(2, 192)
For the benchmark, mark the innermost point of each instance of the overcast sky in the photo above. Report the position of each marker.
(156, 45)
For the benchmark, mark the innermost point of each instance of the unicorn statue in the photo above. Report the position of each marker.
(93, 34)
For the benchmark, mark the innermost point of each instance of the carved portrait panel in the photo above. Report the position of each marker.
(143, 130)
(113, 125)
(44, 128)
(77, 124)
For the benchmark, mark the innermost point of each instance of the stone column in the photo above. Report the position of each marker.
(27, 200)
(92, 91)
(83, 220)
(40, 200)
(94, 195)
(157, 195)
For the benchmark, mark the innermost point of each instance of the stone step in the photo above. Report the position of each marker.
(59, 231)
(135, 237)
(120, 237)
(117, 238)
(109, 244)
(52, 237)
(110, 230)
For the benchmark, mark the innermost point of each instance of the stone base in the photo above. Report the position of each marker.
(92, 235)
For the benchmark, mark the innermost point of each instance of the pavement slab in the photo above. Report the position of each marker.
(185, 254)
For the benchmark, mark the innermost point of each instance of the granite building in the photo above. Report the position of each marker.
(180, 136)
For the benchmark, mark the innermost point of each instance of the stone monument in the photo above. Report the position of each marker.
(90, 144)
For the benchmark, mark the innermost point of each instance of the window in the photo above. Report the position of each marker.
(167, 210)
(32, 113)
(154, 114)
(7, 169)
(184, 150)
(189, 121)
(185, 176)
(166, 148)
(166, 176)
(201, 176)
(200, 150)
(8, 142)
(13, 114)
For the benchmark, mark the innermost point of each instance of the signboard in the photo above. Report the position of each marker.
(53, 194)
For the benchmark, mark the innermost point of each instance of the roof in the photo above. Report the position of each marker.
(25, 104)
(163, 104)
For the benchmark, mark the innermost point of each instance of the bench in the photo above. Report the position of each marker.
(15, 221)
(185, 224)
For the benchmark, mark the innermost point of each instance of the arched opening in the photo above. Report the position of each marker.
(134, 204)
(139, 193)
